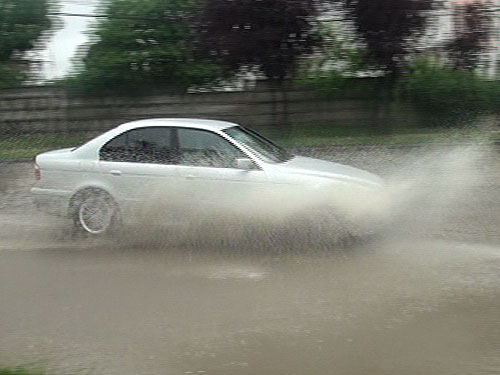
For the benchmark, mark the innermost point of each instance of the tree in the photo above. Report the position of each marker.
(143, 44)
(268, 34)
(388, 28)
(21, 24)
(472, 24)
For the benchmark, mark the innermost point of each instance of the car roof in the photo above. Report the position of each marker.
(178, 122)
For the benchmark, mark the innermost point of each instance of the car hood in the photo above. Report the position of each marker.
(300, 165)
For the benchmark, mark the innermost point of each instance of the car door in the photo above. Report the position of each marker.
(139, 166)
(207, 164)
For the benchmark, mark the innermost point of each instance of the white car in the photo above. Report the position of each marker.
(187, 164)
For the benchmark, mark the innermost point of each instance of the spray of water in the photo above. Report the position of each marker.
(421, 194)
(423, 190)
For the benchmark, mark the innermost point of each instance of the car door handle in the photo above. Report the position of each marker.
(190, 177)
(115, 172)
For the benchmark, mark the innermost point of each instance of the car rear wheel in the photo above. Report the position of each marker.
(95, 213)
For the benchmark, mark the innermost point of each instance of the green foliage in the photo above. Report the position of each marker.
(389, 28)
(334, 71)
(339, 52)
(9, 76)
(442, 94)
(19, 147)
(266, 34)
(334, 85)
(435, 88)
(21, 23)
(143, 44)
(18, 371)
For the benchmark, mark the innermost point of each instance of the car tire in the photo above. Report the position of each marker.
(95, 213)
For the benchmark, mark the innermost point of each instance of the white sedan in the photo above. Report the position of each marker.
(180, 167)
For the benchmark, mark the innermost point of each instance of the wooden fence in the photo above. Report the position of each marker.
(52, 110)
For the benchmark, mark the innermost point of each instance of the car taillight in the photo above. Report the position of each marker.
(38, 173)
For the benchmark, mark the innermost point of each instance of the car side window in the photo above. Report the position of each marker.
(206, 149)
(143, 145)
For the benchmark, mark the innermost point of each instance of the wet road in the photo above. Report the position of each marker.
(422, 299)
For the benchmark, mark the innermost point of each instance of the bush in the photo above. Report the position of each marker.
(9, 77)
(334, 85)
(434, 88)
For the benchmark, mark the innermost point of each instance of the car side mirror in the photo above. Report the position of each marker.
(245, 164)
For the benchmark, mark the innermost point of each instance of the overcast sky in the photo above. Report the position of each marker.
(64, 43)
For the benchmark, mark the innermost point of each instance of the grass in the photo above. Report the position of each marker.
(394, 140)
(19, 371)
(316, 136)
(26, 147)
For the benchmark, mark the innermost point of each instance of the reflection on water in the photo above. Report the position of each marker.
(429, 307)
(393, 307)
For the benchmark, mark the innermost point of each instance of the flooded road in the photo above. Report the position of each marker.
(421, 299)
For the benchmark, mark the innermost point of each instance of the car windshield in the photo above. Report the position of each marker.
(264, 148)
